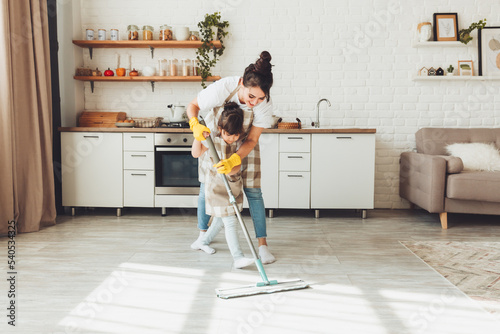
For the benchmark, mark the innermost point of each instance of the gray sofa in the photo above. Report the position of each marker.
(437, 183)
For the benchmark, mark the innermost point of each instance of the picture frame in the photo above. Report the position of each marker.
(489, 51)
(445, 27)
(465, 68)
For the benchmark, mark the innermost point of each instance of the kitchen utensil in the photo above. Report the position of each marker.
(290, 125)
(266, 286)
(177, 113)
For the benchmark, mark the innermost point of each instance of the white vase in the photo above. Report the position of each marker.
(214, 33)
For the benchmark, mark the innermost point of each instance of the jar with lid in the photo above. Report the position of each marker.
(195, 67)
(173, 67)
(185, 67)
(166, 33)
(89, 34)
(133, 32)
(194, 36)
(114, 34)
(147, 33)
(101, 34)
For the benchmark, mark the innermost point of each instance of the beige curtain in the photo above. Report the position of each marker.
(26, 174)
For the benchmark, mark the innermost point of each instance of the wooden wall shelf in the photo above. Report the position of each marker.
(151, 79)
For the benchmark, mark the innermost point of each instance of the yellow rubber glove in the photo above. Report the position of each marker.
(198, 129)
(225, 166)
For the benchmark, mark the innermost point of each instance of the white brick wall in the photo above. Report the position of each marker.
(357, 53)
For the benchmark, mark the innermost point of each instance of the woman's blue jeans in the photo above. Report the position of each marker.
(255, 202)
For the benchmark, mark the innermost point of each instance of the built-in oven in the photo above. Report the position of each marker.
(176, 171)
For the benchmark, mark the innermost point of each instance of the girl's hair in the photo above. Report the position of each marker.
(259, 74)
(231, 119)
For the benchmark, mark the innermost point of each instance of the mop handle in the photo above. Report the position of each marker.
(216, 159)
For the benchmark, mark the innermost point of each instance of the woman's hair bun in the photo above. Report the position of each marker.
(263, 64)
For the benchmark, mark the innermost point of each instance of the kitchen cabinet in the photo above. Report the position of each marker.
(138, 170)
(269, 158)
(294, 171)
(92, 170)
(342, 171)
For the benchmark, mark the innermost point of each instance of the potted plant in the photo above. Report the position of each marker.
(209, 34)
(464, 34)
(450, 70)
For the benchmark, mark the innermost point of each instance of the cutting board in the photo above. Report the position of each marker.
(102, 119)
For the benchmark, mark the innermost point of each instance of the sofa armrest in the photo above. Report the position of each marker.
(454, 165)
(422, 179)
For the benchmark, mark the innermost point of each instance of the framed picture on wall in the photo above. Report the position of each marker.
(445, 27)
(489, 51)
(465, 68)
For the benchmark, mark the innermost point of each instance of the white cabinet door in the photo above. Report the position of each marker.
(342, 171)
(294, 189)
(269, 165)
(92, 169)
(139, 188)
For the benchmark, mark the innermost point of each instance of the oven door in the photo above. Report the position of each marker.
(176, 171)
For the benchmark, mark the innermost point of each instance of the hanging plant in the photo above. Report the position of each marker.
(464, 34)
(206, 55)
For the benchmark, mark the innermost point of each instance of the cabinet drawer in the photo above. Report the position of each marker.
(139, 160)
(290, 142)
(139, 188)
(295, 162)
(294, 190)
(138, 142)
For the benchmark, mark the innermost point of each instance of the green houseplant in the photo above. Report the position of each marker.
(204, 54)
(464, 34)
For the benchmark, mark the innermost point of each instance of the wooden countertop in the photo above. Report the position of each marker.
(171, 130)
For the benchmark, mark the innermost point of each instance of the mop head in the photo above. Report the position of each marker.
(251, 290)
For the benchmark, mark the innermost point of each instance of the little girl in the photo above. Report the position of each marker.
(230, 128)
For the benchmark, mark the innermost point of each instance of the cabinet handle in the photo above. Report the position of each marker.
(136, 174)
(295, 157)
(137, 136)
(90, 136)
(295, 137)
(139, 155)
(291, 175)
(344, 137)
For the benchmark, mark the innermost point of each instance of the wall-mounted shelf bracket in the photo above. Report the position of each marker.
(152, 49)
(92, 86)
(153, 86)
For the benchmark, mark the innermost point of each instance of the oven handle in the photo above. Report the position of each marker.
(173, 149)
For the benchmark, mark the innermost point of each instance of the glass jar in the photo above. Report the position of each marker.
(194, 36)
(166, 33)
(147, 33)
(185, 67)
(133, 32)
(173, 67)
(195, 67)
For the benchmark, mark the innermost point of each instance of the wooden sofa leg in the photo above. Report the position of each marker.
(443, 216)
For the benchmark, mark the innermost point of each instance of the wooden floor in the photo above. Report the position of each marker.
(98, 273)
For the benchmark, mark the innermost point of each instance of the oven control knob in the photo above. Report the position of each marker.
(185, 140)
(169, 140)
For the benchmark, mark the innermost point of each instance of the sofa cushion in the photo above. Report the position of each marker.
(474, 185)
(476, 156)
(434, 140)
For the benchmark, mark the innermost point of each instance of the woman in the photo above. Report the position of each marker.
(251, 93)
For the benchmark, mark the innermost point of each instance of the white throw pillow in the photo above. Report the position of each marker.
(476, 156)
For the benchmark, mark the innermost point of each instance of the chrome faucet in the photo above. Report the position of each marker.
(316, 124)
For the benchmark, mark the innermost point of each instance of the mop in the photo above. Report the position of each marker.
(266, 286)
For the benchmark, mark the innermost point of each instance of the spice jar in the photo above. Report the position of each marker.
(101, 34)
(195, 67)
(194, 36)
(114, 34)
(133, 32)
(89, 34)
(147, 33)
(173, 67)
(166, 33)
(185, 67)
